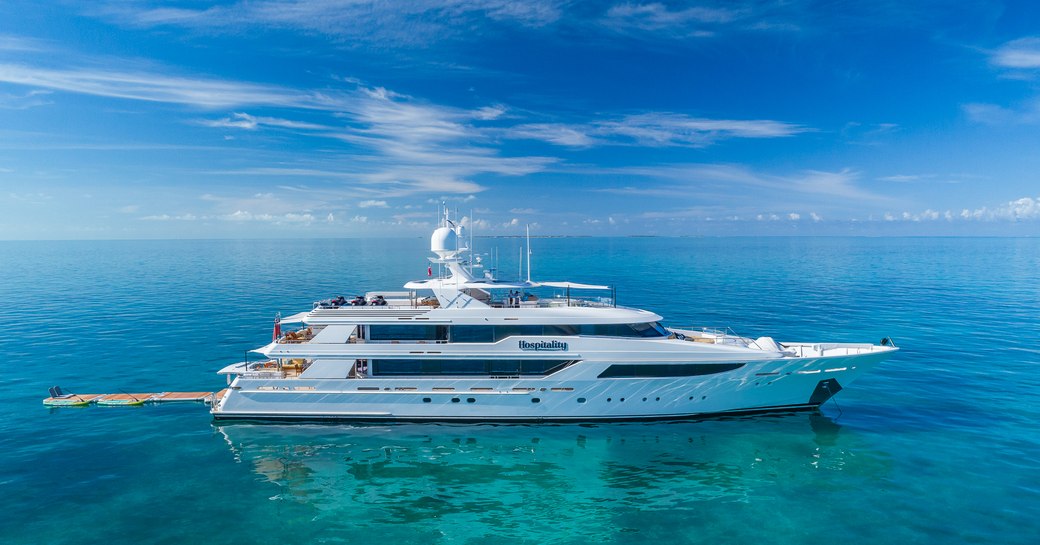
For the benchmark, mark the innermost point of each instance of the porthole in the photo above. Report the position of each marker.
(657, 399)
(644, 399)
(622, 400)
(581, 400)
(454, 400)
(608, 400)
(704, 397)
(471, 400)
(426, 400)
(535, 400)
(691, 398)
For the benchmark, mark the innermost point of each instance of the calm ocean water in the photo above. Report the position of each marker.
(940, 445)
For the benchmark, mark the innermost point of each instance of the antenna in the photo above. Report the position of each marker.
(528, 252)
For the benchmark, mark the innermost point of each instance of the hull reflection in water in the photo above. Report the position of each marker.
(588, 480)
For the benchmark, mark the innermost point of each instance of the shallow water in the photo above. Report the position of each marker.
(939, 445)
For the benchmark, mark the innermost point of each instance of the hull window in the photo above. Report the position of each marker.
(667, 370)
(466, 367)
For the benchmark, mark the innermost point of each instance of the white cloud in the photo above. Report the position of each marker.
(1026, 208)
(21, 44)
(249, 122)
(561, 135)
(167, 217)
(906, 178)
(653, 129)
(809, 184)
(992, 114)
(372, 204)
(815, 217)
(793, 216)
(242, 215)
(656, 17)
(523, 211)
(359, 219)
(416, 23)
(1023, 209)
(156, 86)
(1020, 53)
(24, 101)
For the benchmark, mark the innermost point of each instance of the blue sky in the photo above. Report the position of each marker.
(139, 119)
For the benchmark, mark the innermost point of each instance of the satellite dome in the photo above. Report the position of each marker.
(444, 239)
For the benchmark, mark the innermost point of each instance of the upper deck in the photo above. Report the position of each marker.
(522, 310)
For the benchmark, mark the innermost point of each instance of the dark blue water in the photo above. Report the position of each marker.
(939, 445)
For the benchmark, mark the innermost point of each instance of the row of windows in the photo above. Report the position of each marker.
(466, 367)
(495, 333)
(474, 400)
(538, 400)
(621, 370)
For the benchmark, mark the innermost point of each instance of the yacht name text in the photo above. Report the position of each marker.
(543, 345)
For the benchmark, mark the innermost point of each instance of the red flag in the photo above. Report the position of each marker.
(429, 270)
(277, 327)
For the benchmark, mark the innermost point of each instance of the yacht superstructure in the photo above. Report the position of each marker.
(484, 350)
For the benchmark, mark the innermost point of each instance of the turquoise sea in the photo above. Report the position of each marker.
(940, 445)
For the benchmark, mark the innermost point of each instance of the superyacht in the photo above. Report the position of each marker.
(462, 347)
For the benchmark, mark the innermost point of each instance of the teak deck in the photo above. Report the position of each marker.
(161, 397)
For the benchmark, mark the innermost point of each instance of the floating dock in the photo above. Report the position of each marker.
(130, 400)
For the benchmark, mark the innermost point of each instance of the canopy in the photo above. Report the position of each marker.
(495, 285)
(574, 285)
(295, 318)
(265, 350)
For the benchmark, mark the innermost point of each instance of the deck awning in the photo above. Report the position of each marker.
(295, 318)
(438, 283)
(265, 350)
(574, 285)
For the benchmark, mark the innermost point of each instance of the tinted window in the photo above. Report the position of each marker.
(653, 329)
(472, 334)
(560, 330)
(408, 332)
(504, 331)
(466, 367)
(667, 370)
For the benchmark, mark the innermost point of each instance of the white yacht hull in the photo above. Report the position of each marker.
(572, 394)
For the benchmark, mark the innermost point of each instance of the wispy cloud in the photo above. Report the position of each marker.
(154, 86)
(252, 123)
(807, 184)
(21, 44)
(418, 22)
(372, 204)
(1023, 53)
(654, 129)
(907, 178)
(243, 215)
(654, 16)
(993, 114)
(24, 101)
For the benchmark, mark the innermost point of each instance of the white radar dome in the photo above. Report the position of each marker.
(444, 239)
